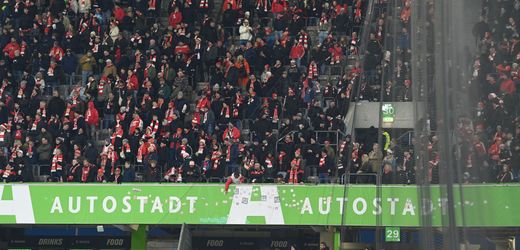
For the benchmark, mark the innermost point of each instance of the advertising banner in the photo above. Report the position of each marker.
(357, 205)
(68, 242)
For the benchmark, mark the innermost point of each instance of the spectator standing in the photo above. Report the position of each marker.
(87, 63)
(506, 175)
(376, 158)
(70, 64)
(324, 168)
(245, 32)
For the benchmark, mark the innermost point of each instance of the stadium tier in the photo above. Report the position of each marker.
(259, 124)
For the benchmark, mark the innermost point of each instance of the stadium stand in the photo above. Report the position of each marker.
(192, 91)
(161, 91)
(492, 140)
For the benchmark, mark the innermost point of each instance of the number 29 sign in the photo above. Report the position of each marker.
(392, 234)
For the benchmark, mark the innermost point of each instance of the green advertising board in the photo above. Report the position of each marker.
(484, 205)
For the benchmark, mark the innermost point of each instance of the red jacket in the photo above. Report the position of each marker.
(339, 6)
(175, 18)
(233, 3)
(183, 49)
(92, 115)
(57, 53)
(508, 86)
(11, 48)
(118, 133)
(133, 83)
(297, 52)
(336, 52)
(134, 124)
(234, 134)
(405, 14)
(278, 6)
(119, 13)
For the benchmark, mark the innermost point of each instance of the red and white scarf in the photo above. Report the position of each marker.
(268, 163)
(169, 114)
(293, 176)
(313, 71)
(50, 71)
(228, 153)
(275, 114)
(215, 158)
(22, 49)
(184, 153)
(225, 111)
(85, 172)
(75, 125)
(101, 88)
(136, 123)
(35, 124)
(204, 4)
(322, 162)
(154, 127)
(152, 4)
(42, 112)
(57, 161)
(304, 40)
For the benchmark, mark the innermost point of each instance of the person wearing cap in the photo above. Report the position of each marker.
(390, 159)
(191, 172)
(110, 69)
(293, 72)
(114, 31)
(231, 133)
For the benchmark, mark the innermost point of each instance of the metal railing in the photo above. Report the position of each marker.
(359, 178)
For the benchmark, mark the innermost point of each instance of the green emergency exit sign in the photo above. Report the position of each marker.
(388, 112)
(392, 234)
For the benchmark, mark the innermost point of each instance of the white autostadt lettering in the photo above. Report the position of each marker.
(20, 206)
(358, 206)
(268, 206)
(126, 204)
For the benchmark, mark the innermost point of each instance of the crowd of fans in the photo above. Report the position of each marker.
(491, 145)
(188, 97)
(133, 68)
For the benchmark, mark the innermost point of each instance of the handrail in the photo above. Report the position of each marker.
(410, 134)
